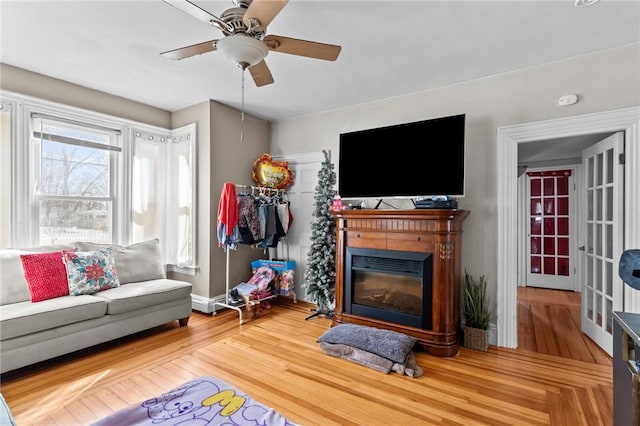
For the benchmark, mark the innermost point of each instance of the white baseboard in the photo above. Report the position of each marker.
(204, 304)
(493, 334)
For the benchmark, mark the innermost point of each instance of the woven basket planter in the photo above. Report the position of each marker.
(475, 338)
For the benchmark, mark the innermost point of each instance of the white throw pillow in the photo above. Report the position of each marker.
(135, 262)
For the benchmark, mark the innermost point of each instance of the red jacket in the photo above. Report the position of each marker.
(228, 207)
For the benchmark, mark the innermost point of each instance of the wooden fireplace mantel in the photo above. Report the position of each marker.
(435, 231)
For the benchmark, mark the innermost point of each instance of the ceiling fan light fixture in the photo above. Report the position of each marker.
(242, 50)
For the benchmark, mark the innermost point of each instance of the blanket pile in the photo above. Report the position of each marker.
(201, 401)
(379, 349)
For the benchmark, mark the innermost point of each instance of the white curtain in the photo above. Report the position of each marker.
(149, 189)
(162, 193)
(182, 205)
(6, 131)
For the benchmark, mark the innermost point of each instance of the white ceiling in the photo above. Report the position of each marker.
(567, 150)
(389, 48)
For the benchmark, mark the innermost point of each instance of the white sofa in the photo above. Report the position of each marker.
(31, 332)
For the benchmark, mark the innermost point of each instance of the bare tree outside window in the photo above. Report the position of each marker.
(75, 197)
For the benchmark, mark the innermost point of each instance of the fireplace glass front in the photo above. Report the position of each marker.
(390, 285)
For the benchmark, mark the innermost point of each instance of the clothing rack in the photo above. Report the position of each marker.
(256, 190)
(226, 304)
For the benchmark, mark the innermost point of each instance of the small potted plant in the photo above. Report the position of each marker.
(476, 312)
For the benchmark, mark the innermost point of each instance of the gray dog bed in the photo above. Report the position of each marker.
(379, 349)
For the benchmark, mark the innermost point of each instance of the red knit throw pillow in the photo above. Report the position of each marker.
(46, 275)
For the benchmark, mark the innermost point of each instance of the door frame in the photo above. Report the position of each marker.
(508, 138)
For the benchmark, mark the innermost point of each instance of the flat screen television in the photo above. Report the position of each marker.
(410, 160)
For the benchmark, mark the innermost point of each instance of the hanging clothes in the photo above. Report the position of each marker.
(270, 231)
(228, 216)
(249, 220)
(283, 214)
(258, 219)
(290, 214)
(280, 232)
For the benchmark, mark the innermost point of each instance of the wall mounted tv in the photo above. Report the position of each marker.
(410, 160)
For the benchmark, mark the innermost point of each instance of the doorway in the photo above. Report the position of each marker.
(508, 140)
(557, 256)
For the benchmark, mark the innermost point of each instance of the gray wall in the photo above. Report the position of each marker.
(603, 81)
(221, 158)
(232, 161)
(41, 86)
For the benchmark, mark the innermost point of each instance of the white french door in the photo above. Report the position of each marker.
(602, 289)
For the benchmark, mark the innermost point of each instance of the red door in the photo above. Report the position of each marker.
(550, 195)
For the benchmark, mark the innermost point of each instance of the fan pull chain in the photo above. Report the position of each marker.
(242, 111)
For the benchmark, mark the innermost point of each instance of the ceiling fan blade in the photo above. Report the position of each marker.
(264, 11)
(191, 9)
(189, 51)
(199, 13)
(310, 49)
(261, 74)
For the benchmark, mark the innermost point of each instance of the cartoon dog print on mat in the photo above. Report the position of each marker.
(203, 402)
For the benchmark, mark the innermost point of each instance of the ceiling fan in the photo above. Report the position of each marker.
(245, 42)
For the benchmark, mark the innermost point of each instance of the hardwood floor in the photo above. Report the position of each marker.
(555, 377)
(549, 322)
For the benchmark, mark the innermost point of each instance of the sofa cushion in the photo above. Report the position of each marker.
(135, 296)
(90, 271)
(13, 285)
(19, 319)
(135, 262)
(45, 274)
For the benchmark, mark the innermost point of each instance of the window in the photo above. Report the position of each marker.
(82, 176)
(73, 168)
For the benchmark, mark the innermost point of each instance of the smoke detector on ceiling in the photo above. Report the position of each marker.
(567, 100)
(583, 3)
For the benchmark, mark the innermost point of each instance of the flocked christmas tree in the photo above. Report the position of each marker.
(320, 272)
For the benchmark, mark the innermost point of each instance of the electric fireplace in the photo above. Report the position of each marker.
(389, 285)
(400, 270)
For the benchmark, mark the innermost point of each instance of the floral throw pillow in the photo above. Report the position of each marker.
(90, 271)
